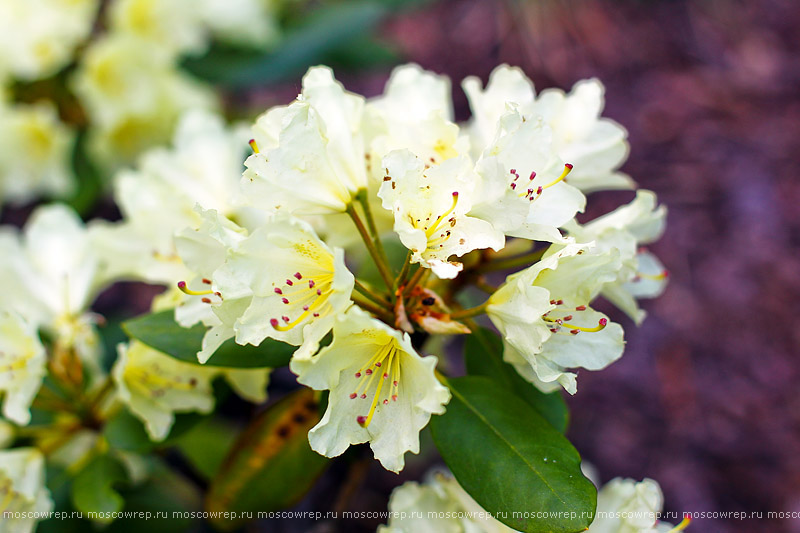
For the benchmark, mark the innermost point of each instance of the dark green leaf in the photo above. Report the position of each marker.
(160, 331)
(511, 460)
(326, 29)
(93, 488)
(271, 466)
(89, 182)
(483, 356)
(126, 432)
(206, 445)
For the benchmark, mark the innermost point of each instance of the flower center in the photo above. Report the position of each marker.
(382, 367)
(439, 225)
(152, 383)
(307, 297)
(558, 320)
(530, 193)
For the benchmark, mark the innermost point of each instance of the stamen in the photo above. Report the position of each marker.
(567, 170)
(186, 290)
(654, 277)
(432, 229)
(253, 145)
(687, 519)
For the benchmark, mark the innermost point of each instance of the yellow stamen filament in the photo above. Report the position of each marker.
(567, 170)
(683, 525)
(319, 301)
(186, 290)
(385, 364)
(654, 277)
(432, 229)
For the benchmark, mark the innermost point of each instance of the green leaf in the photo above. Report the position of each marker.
(126, 432)
(206, 445)
(326, 29)
(93, 488)
(160, 331)
(89, 182)
(511, 460)
(483, 356)
(271, 466)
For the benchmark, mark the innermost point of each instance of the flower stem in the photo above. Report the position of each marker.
(472, 311)
(373, 228)
(383, 268)
(401, 278)
(381, 312)
(416, 279)
(512, 262)
(372, 295)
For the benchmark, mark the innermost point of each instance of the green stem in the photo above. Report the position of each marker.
(383, 268)
(369, 293)
(416, 279)
(486, 287)
(401, 278)
(381, 312)
(472, 311)
(512, 262)
(373, 228)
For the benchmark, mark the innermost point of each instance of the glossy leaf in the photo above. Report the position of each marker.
(160, 331)
(483, 355)
(323, 31)
(511, 460)
(271, 466)
(93, 490)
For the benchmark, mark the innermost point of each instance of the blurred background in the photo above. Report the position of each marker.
(705, 400)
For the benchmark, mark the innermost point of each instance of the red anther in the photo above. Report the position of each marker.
(311, 284)
(559, 302)
(218, 294)
(305, 308)
(289, 282)
(574, 331)
(385, 375)
(319, 292)
(369, 371)
(455, 194)
(207, 281)
(316, 315)
(603, 321)
(361, 420)
(298, 275)
(552, 302)
(394, 397)
(665, 273)
(394, 383)
(636, 279)
(539, 190)
(278, 291)
(206, 300)
(353, 396)
(285, 300)
(285, 319)
(513, 186)
(568, 318)
(513, 171)
(358, 374)
(569, 166)
(530, 191)
(533, 175)
(273, 322)
(386, 402)
(378, 363)
(581, 308)
(181, 284)
(363, 396)
(552, 330)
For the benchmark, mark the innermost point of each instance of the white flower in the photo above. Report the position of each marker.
(158, 199)
(22, 489)
(204, 251)
(627, 229)
(522, 189)
(430, 206)
(38, 37)
(22, 366)
(547, 327)
(241, 22)
(596, 146)
(297, 285)
(317, 166)
(629, 506)
(439, 505)
(51, 275)
(129, 116)
(381, 390)
(155, 386)
(414, 113)
(35, 150)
